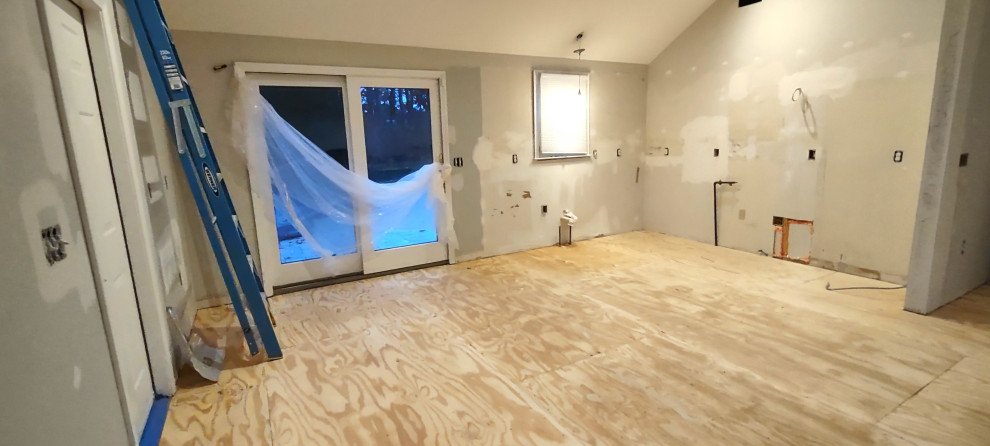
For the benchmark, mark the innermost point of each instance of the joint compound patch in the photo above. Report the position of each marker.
(700, 136)
(834, 82)
(482, 156)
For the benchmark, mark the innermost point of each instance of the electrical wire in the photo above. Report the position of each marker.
(828, 286)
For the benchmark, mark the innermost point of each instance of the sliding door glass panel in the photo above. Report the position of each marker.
(399, 141)
(318, 114)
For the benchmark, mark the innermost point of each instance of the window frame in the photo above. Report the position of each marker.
(538, 154)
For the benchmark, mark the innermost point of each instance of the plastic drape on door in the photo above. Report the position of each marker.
(324, 200)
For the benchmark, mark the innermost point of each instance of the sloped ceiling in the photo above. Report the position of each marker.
(632, 31)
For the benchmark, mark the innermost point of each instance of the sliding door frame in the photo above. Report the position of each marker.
(389, 259)
(274, 273)
(244, 70)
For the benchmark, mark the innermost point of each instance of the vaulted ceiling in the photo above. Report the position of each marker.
(632, 31)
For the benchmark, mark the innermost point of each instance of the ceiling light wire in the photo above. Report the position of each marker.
(579, 51)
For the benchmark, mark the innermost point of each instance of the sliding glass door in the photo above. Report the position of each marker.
(396, 128)
(316, 106)
(383, 129)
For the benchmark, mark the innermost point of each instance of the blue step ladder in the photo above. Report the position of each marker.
(203, 174)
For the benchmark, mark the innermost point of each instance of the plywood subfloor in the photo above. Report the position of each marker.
(633, 339)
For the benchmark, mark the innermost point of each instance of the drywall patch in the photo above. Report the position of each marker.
(518, 142)
(752, 109)
(634, 139)
(739, 85)
(41, 206)
(833, 82)
(482, 155)
(700, 137)
(607, 148)
(746, 152)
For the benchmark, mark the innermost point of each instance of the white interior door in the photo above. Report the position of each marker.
(396, 128)
(316, 107)
(83, 127)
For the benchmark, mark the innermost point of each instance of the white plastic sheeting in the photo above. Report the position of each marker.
(324, 199)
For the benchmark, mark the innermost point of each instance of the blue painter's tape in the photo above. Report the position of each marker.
(156, 421)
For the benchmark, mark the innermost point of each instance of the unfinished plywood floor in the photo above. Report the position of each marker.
(633, 339)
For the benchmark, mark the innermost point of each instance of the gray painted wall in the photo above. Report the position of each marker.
(58, 383)
(867, 68)
(952, 242)
(490, 116)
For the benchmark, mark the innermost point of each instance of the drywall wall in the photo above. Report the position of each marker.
(58, 382)
(866, 70)
(951, 253)
(497, 204)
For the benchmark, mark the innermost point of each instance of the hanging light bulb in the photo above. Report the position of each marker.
(579, 51)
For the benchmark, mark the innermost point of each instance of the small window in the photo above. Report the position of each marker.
(561, 116)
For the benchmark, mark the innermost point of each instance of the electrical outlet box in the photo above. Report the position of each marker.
(544, 209)
(898, 156)
(515, 159)
(53, 245)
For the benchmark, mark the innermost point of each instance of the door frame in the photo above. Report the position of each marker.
(243, 69)
(262, 200)
(376, 261)
(113, 94)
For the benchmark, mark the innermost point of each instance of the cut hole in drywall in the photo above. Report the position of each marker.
(792, 235)
(811, 154)
(963, 160)
(716, 152)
